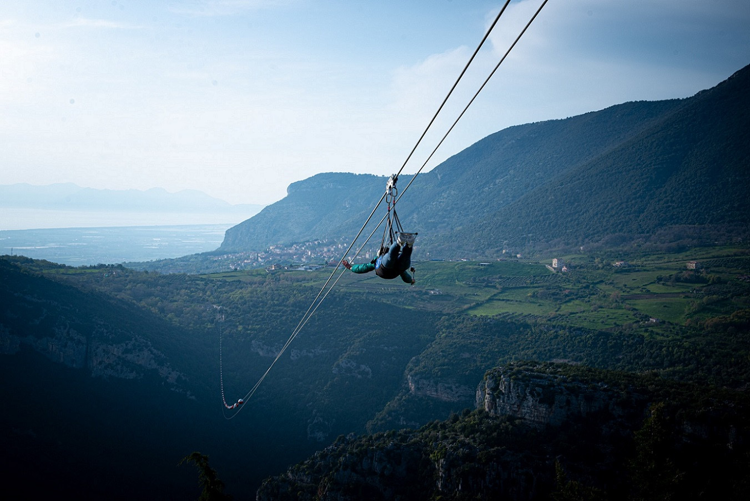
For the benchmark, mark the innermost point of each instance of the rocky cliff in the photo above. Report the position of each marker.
(72, 328)
(446, 391)
(544, 429)
(551, 398)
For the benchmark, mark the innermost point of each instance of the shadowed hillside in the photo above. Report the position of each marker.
(546, 431)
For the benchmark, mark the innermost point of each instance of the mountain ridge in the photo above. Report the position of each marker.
(691, 169)
(649, 161)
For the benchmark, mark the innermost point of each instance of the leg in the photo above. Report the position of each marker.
(404, 260)
(391, 260)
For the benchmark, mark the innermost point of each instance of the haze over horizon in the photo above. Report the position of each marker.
(66, 205)
(240, 99)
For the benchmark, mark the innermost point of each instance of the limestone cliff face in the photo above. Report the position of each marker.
(548, 399)
(423, 395)
(73, 328)
(8, 344)
(126, 359)
(64, 345)
(447, 391)
(130, 359)
(350, 367)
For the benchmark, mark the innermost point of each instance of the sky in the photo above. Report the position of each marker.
(240, 98)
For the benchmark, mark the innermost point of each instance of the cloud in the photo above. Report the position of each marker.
(593, 53)
(147, 112)
(633, 33)
(577, 56)
(210, 8)
(421, 87)
(82, 22)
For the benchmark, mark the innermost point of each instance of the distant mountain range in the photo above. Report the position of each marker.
(660, 173)
(69, 196)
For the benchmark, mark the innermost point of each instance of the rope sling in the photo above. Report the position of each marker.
(392, 226)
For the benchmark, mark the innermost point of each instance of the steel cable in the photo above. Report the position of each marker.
(318, 300)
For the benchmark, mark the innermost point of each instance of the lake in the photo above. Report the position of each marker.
(89, 246)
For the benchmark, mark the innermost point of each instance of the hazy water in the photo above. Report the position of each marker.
(86, 246)
(27, 219)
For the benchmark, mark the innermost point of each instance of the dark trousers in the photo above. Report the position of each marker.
(395, 261)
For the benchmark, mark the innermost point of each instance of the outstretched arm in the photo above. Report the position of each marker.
(359, 268)
(406, 277)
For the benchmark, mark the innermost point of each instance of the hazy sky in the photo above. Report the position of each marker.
(239, 98)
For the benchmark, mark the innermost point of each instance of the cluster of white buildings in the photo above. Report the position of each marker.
(306, 255)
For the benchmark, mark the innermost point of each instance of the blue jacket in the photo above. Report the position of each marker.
(382, 271)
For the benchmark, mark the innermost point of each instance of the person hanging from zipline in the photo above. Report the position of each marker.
(391, 262)
(394, 253)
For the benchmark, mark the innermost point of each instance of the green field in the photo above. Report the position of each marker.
(670, 309)
(495, 307)
(651, 292)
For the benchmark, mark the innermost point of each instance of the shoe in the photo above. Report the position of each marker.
(406, 239)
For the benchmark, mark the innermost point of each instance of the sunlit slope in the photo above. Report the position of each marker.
(506, 166)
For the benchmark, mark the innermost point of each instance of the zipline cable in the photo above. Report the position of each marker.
(463, 112)
(221, 364)
(302, 320)
(492, 73)
(308, 314)
(294, 335)
(310, 311)
(315, 303)
(466, 67)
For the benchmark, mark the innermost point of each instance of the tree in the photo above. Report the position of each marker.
(571, 490)
(213, 488)
(655, 475)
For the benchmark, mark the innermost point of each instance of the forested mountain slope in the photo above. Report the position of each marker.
(323, 206)
(690, 169)
(628, 170)
(504, 167)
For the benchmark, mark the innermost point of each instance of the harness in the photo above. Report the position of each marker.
(391, 229)
(392, 223)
